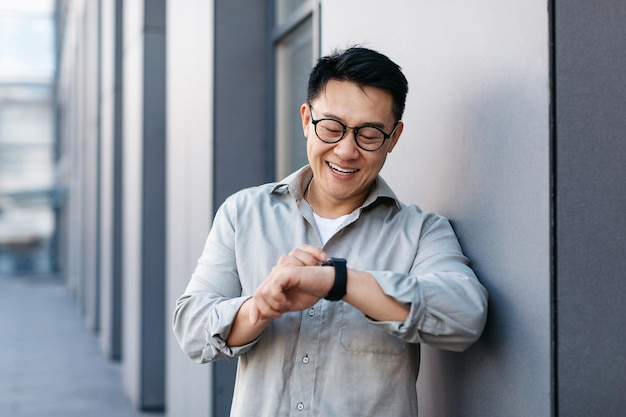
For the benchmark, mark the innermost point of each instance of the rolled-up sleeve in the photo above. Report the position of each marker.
(204, 314)
(448, 305)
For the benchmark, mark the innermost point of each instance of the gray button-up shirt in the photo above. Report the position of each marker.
(330, 360)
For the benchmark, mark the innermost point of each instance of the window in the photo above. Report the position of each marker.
(296, 48)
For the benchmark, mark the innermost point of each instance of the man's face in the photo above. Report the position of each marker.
(342, 171)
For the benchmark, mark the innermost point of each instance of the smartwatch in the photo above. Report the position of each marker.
(338, 290)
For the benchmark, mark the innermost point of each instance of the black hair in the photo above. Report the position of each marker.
(365, 67)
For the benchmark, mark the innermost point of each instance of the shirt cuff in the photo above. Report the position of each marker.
(219, 326)
(404, 289)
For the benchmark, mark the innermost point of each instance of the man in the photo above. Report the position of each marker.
(340, 336)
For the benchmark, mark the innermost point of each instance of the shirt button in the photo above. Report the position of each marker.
(300, 406)
(306, 359)
(311, 312)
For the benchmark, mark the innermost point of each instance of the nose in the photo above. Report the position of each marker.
(347, 148)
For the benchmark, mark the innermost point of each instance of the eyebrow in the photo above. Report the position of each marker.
(339, 119)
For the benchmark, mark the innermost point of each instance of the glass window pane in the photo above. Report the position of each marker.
(284, 8)
(294, 60)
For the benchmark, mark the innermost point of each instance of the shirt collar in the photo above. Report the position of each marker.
(297, 182)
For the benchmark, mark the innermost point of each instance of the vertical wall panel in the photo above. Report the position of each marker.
(189, 183)
(111, 185)
(72, 164)
(144, 203)
(78, 146)
(106, 158)
(242, 150)
(590, 98)
(131, 276)
(91, 181)
(475, 148)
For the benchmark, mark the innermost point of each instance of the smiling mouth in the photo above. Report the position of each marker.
(340, 170)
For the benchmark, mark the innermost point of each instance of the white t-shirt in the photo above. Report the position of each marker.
(328, 227)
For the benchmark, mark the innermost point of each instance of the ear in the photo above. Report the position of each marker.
(396, 136)
(305, 115)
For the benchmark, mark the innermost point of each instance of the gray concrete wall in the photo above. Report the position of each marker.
(476, 148)
(189, 184)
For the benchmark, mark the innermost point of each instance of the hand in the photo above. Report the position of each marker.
(295, 283)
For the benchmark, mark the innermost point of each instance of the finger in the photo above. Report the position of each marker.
(313, 250)
(308, 255)
(289, 260)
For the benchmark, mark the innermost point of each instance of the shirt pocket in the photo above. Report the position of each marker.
(359, 336)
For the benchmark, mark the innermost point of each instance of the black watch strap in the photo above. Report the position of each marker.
(338, 291)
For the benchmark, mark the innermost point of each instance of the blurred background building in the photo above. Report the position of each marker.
(28, 194)
(117, 149)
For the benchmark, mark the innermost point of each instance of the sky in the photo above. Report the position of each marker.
(26, 39)
(37, 6)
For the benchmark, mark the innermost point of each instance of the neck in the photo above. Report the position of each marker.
(324, 208)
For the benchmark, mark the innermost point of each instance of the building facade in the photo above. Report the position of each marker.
(513, 130)
(28, 199)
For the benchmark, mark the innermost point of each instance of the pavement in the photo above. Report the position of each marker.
(51, 365)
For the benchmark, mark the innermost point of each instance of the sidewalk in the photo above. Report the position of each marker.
(50, 364)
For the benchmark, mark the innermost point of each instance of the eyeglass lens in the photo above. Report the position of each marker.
(367, 137)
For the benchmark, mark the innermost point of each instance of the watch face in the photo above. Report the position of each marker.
(332, 261)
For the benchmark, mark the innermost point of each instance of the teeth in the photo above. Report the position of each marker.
(341, 170)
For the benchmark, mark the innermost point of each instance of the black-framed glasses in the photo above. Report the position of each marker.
(368, 138)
